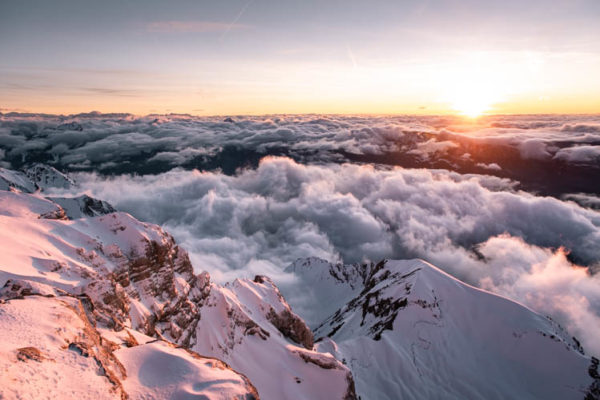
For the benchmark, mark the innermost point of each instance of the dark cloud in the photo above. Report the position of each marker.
(584, 154)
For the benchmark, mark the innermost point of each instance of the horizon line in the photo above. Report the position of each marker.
(458, 115)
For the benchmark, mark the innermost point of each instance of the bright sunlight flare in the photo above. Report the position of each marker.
(475, 84)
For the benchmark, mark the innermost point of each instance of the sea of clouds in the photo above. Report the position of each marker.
(315, 198)
(103, 142)
(474, 227)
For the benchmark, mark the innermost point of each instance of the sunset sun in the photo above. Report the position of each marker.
(471, 104)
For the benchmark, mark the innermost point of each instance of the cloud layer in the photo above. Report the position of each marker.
(83, 136)
(336, 194)
(475, 227)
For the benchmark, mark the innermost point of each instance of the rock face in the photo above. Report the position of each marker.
(16, 180)
(292, 326)
(131, 278)
(83, 206)
(45, 176)
(408, 330)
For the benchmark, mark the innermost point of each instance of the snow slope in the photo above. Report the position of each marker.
(250, 326)
(50, 350)
(40, 352)
(158, 370)
(38, 176)
(411, 331)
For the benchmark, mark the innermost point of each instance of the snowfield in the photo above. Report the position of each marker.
(407, 327)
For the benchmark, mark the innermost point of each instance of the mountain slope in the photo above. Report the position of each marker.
(408, 330)
(50, 349)
(132, 276)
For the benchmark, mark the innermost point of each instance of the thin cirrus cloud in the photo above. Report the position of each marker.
(112, 91)
(193, 26)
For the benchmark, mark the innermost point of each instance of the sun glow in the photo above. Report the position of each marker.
(473, 98)
(474, 85)
(471, 105)
(474, 95)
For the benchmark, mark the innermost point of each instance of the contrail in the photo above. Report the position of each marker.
(351, 56)
(236, 19)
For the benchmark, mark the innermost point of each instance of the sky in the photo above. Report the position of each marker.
(265, 57)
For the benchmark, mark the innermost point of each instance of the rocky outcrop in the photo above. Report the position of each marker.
(593, 391)
(74, 359)
(19, 288)
(45, 176)
(131, 279)
(292, 326)
(82, 206)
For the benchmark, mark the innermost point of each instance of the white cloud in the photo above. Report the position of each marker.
(490, 166)
(100, 138)
(262, 219)
(432, 146)
(535, 149)
(580, 155)
(475, 227)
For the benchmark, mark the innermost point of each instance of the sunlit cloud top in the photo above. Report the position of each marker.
(258, 57)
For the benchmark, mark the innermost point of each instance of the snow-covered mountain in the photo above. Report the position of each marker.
(96, 304)
(35, 177)
(131, 278)
(408, 330)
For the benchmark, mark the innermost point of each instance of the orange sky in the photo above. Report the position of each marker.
(265, 57)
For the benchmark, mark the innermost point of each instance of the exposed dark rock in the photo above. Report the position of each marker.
(18, 289)
(378, 310)
(83, 206)
(59, 213)
(292, 326)
(30, 353)
(45, 176)
(593, 391)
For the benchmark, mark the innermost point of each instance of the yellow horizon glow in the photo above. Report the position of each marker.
(469, 84)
